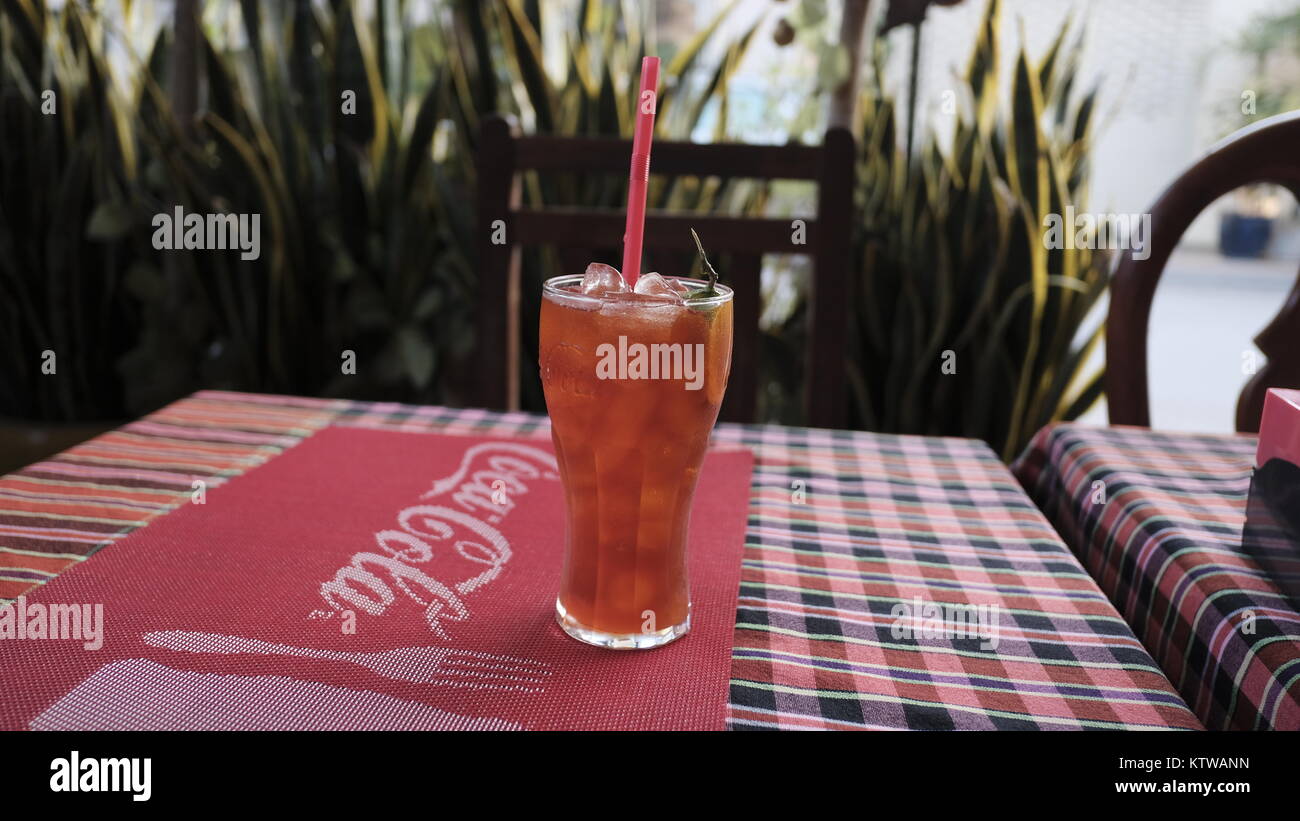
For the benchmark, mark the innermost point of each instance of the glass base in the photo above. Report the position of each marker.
(619, 641)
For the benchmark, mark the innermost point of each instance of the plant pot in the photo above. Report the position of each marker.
(24, 441)
(1244, 236)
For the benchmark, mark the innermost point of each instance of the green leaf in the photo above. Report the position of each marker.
(418, 356)
(428, 304)
(525, 51)
(145, 282)
(709, 290)
(110, 220)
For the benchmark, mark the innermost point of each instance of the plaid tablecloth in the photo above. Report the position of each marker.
(844, 529)
(1157, 520)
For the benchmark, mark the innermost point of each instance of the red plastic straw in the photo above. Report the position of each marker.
(646, 102)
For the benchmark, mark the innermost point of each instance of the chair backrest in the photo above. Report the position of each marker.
(576, 233)
(1267, 152)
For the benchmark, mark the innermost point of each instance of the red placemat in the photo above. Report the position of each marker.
(438, 556)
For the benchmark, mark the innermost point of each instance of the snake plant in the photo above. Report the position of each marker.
(966, 323)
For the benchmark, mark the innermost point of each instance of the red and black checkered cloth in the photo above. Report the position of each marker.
(844, 530)
(1157, 519)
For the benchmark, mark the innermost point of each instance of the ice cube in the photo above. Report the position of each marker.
(603, 279)
(652, 284)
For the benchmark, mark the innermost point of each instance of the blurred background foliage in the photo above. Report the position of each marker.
(367, 208)
(366, 203)
(953, 267)
(1272, 42)
(70, 146)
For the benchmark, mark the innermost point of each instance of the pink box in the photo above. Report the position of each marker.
(1279, 430)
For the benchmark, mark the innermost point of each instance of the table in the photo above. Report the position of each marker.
(1157, 520)
(843, 529)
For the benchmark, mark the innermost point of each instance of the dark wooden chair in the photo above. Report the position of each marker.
(578, 233)
(1267, 152)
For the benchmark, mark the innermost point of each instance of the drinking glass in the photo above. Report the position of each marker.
(633, 384)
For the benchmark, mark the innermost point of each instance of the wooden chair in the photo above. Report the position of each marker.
(576, 233)
(1267, 152)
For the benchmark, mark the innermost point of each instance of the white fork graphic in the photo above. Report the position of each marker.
(419, 665)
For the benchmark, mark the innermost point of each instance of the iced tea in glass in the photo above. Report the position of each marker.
(633, 382)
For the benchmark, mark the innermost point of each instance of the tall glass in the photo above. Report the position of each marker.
(633, 384)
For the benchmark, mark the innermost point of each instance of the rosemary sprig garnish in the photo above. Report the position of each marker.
(709, 290)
